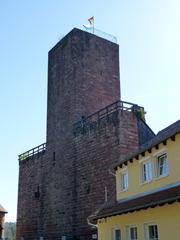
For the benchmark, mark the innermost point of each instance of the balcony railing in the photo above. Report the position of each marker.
(32, 152)
(119, 105)
(95, 119)
(100, 33)
(91, 122)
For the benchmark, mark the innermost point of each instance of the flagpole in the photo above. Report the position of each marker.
(91, 22)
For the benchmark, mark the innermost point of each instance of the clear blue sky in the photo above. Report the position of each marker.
(148, 32)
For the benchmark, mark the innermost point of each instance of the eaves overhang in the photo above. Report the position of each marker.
(162, 137)
(160, 198)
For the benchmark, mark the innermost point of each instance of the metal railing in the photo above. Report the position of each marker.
(88, 121)
(34, 151)
(100, 33)
(119, 105)
(96, 118)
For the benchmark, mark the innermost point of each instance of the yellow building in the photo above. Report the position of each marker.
(147, 205)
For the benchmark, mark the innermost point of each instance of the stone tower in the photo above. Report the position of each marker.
(83, 77)
(65, 180)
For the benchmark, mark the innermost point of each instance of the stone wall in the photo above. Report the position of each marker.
(30, 197)
(95, 153)
(83, 77)
(71, 181)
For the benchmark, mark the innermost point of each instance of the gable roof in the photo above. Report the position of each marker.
(162, 136)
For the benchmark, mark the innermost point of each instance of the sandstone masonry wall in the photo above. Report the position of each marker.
(29, 197)
(60, 189)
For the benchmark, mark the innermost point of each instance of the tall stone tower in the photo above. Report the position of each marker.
(83, 77)
(65, 180)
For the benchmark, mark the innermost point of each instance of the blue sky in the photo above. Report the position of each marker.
(148, 32)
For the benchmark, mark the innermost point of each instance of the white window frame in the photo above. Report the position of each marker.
(165, 174)
(123, 187)
(128, 232)
(143, 162)
(113, 236)
(146, 231)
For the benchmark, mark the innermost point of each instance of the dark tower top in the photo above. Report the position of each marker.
(83, 77)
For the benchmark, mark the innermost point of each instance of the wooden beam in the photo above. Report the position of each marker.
(173, 138)
(143, 154)
(157, 146)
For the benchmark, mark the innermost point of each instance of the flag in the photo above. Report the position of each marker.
(91, 20)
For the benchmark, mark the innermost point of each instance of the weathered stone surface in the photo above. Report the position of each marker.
(83, 77)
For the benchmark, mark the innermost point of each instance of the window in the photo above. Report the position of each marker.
(153, 232)
(116, 234)
(146, 171)
(162, 165)
(124, 180)
(132, 233)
